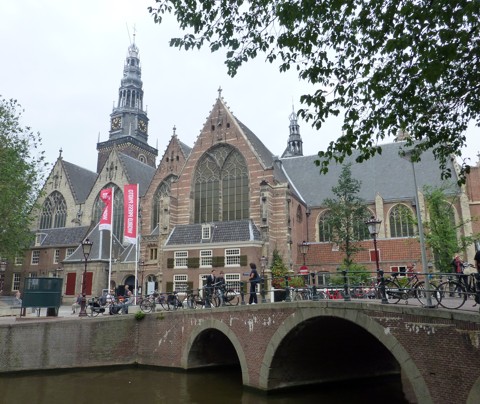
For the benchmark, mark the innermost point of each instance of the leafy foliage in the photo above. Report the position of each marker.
(21, 166)
(279, 270)
(357, 275)
(346, 216)
(386, 65)
(441, 231)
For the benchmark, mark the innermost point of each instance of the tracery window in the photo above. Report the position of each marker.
(161, 200)
(54, 212)
(324, 230)
(221, 186)
(401, 223)
(117, 218)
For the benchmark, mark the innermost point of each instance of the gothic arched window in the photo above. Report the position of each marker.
(401, 222)
(160, 200)
(54, 212)
(324, 230)
(221, 186)
(98, 207)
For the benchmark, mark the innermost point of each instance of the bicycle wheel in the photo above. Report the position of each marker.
(164, 302)
(191, 302)
(298, 295)
(392, 291)
(321, 295)
(146, 306)
(231, 297)
(421, 294)
(452, 295)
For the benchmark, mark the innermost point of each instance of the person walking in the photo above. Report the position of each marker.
(253, 279)
(457, 265)
(211, 279)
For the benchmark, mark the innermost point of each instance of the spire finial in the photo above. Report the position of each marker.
(134, 32)
(220, 92)
(174, 130)
(60, 153)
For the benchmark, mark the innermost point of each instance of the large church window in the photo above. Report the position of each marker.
(54, 212)
(324, 230)
(98, 207)
(401, 222)
(161, 198)
(221, 186)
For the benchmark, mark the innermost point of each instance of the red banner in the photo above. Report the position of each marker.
(106, 195)
(130, 214)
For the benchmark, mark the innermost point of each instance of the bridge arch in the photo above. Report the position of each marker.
(211, 332)
(365, 330)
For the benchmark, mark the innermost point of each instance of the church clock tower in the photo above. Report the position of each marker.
(128, 120)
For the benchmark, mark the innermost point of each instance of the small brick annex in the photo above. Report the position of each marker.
(433, 352)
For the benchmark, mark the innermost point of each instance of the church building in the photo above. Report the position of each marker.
(221, 203)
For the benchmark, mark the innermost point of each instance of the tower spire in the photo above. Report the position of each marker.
(295, 143)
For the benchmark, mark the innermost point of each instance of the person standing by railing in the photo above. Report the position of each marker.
(457, 265)
(253, 279)
(211, 279)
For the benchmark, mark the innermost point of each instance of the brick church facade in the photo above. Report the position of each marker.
(221, 203)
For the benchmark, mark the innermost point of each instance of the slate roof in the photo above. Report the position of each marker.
(80, 179)
(222, 232)
(62, 237)
(387, 174)
(137, 172)
(185, 149)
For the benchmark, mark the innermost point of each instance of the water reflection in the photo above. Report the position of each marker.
(151, 385)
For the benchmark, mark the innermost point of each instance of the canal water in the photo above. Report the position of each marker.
(151, 385)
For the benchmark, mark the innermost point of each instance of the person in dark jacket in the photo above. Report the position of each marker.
(253, 279)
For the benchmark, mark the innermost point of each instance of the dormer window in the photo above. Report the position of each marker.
(39, 237)
(206, 232)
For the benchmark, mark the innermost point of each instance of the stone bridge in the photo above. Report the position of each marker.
(435, 353)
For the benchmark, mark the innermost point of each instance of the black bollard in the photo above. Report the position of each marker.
(287, 290)
(314, 287)
(262, 291)
(346, 289)
(242, 293)
(382, 287)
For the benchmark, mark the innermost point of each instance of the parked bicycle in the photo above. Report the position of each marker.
(396, 290)
(454, 293)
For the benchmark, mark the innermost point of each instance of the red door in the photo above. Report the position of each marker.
(70, 288)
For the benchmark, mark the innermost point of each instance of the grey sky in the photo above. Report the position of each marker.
(63, 61)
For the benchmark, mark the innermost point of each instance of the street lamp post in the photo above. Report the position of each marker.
(86, 248)
(3, 267)
(263, 264)
(373, 228)
(304, 250)
(408, 156)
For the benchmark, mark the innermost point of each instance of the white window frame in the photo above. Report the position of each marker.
(180, 259)
(180, 282)
(56, 256)
(16, 281)
(232, 281)
(206, 232)
(18, 261)
(232, 257)
(69, 252)
(206, 258)
(35, 257)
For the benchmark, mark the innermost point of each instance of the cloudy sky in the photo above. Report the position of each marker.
(63, 61)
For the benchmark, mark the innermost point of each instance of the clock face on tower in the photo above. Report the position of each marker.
(116, 123)
(142, 126)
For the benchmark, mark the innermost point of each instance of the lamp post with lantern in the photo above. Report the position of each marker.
(373, 225)
(86, 248)
(263, 264)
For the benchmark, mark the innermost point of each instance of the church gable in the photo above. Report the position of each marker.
(222, 163)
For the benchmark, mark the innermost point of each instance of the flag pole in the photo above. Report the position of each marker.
(111, 241)
(136, 250)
